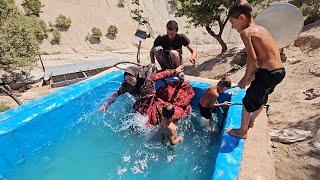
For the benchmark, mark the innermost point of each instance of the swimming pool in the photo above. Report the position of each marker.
(61, 136)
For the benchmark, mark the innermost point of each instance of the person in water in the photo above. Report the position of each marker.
(210, 99)
(168, 128)
(140, 83)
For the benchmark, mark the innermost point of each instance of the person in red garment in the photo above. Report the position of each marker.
(140, 83)
(179, 94)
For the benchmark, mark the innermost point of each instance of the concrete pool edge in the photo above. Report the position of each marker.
(258, 160)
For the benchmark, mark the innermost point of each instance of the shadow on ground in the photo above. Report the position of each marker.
(209, 64)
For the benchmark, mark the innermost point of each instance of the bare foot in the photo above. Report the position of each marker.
(237, 132)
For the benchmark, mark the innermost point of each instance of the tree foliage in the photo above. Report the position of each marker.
(207, 13)
(40, 29)
(137, 14)
(32, 7)
(18, 42)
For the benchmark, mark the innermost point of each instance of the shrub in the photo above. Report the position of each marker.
(63, 23)
(120, 3)
(51, 26)
(56, 37)
(3, 107)
(96, 33)
(112, 29)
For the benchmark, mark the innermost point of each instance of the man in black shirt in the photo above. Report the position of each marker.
(167, 49)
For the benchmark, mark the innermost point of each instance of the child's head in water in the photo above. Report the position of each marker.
(168, 112)
(223, 84)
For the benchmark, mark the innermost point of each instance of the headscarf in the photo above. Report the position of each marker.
(140, 72)
(137, 72)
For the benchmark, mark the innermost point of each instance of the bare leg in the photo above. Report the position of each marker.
(242, 132)
(253, 117)
(160, 60)
(175, 57)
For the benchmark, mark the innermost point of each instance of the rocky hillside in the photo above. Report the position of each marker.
(86, 14)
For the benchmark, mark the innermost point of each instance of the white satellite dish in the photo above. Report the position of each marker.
(283, 20)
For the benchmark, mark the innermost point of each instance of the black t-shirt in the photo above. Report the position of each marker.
(174, 44)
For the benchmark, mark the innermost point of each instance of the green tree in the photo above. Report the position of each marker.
(32, 7)
(63, 23)
(19, 45)
(137, 13)
(96, 33)
(208, 13)
(56, 37)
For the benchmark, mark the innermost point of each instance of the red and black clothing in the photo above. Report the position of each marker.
(148, 103)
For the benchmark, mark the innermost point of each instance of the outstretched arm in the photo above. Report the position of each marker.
(113, 98)
(166, 73)
(193, 54)
(226, 103)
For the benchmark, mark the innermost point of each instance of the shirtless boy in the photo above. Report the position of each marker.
(263, 63)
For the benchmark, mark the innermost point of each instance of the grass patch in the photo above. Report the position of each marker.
(3, 107)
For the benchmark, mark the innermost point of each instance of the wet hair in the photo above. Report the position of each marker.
(172, 25)
(168, 111)
(237, 10)
(225, 82)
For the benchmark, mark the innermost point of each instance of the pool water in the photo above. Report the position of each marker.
(117, 145)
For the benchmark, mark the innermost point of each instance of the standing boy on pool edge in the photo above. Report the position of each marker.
(263, 63)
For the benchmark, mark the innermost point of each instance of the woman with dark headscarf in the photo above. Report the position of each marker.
(140, 83)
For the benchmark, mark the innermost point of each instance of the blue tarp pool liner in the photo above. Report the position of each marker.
(35, 124)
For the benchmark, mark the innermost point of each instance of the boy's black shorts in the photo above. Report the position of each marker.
(263, 85)
(205, 112)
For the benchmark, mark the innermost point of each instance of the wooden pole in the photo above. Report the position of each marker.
(138, 53)
(44, 70)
